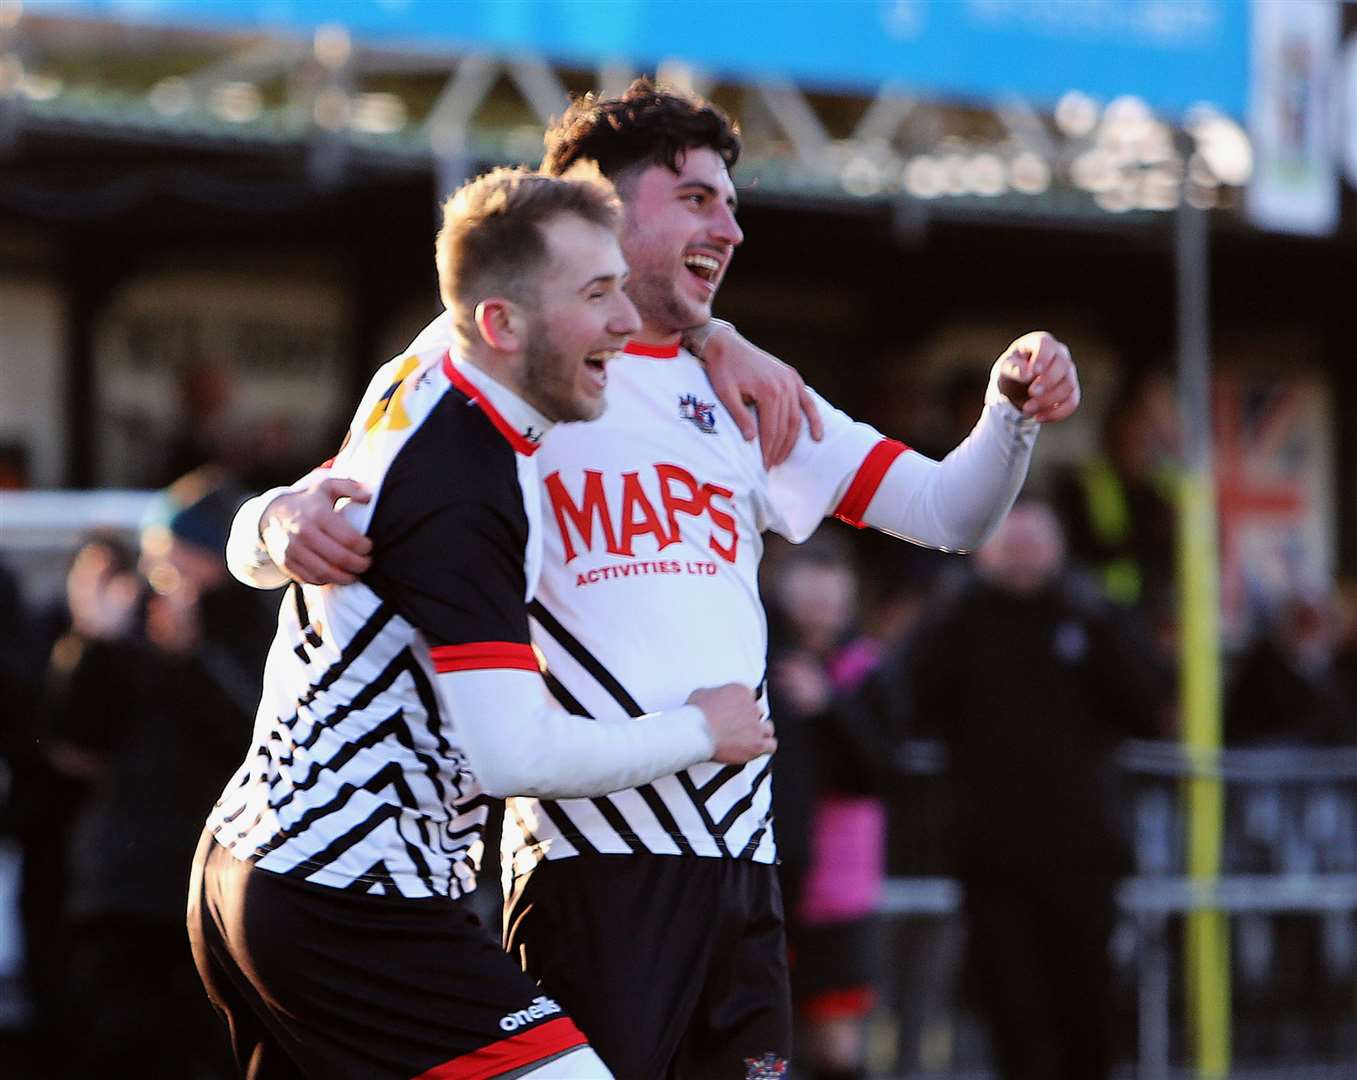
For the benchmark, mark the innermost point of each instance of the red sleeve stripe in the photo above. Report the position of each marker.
(508, 1055)
(859, 494)
(483, 654)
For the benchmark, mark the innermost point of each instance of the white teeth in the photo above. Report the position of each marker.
(703, 262)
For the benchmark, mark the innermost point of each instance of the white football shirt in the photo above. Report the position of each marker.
(652, 521)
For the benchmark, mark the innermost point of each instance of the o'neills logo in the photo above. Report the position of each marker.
(592, 515)
(540, 1008)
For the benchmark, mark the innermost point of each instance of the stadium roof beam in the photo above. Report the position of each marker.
(685, 76)
(268, 59)
(1024, 123)
(465, 92)
(810, 141)
(888, 110)
(387, 107)
(542, 89)
(614, 77)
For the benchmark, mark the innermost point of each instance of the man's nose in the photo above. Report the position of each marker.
(725, 228)
(626, 320)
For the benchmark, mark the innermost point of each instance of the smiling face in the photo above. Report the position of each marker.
(581, 320)
(679, 238)
(1026, 552)
(819, 600)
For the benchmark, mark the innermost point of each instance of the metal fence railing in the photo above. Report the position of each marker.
(1288, 885)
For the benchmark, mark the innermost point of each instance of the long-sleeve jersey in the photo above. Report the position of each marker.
(652, 520)
(394, 707)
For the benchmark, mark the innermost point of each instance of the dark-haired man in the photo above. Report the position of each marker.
(655, 912)
(323, 906)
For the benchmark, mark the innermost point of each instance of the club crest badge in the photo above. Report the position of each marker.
(767, 1067)
(701, 414)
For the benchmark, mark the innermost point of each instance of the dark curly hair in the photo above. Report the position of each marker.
(648, 124)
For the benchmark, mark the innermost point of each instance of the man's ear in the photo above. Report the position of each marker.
(500, 324)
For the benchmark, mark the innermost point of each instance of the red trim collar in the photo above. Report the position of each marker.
(513, 437)
(655, 352)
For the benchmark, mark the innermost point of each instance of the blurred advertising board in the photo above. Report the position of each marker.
(1348, 111)
(1171, 53)
(1291, 116)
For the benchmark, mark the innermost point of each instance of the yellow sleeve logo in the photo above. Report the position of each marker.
(388, 409)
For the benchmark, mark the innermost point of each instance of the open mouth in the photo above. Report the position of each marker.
(597, 362)
(703, 266)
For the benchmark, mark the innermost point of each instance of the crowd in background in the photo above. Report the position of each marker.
(147, 692)
(130, 703)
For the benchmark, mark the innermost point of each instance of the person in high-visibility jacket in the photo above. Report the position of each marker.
(1119, 505)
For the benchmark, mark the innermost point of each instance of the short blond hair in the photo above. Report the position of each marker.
(491, 242)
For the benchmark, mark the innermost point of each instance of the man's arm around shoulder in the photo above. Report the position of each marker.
(297, 533)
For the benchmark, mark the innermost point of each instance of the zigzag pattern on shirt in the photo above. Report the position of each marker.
(318, 792)
(731, 804)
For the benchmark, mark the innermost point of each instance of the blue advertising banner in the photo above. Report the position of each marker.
(1172, 53)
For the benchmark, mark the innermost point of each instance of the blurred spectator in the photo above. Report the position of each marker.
(958, 390)
(152, 699)
(101, 591)
(19, 664)
(1288, 687)
(271, 454)
(203, 432)
(1030, 685)
(1118, 506)
(829, 771)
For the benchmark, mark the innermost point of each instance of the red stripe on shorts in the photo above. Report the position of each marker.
(483, 654)
(859, 494)
(851, 1001)
(536, 1044)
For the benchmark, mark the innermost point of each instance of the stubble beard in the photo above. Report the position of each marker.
(660, 306)
(654, 288)
(547, 387)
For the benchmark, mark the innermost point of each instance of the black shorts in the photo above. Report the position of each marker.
(674, 966)
(318, 982)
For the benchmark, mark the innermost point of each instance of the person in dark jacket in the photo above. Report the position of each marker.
(1288, 687)
(831, 766)
(1030, 684)
(145, 723)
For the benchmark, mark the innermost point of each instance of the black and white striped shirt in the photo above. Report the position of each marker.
(651, 524)
(356, 779)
